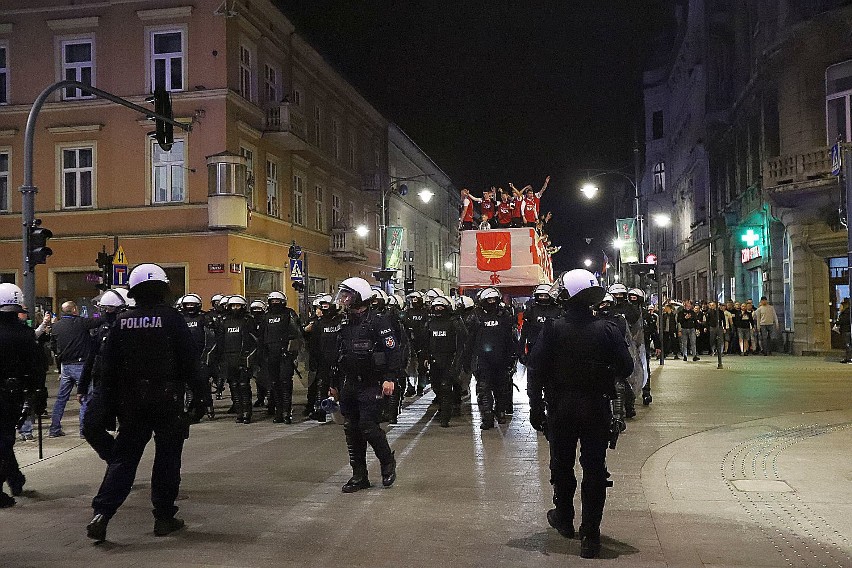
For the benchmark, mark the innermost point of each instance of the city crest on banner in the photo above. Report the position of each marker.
(629, 243)
(493, 250)
(394, 247)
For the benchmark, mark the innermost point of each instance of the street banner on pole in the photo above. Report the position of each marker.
(629, 244)
(393, 246)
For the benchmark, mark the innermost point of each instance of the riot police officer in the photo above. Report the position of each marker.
(570, 383)
(417, 316)
(215, 317)
(204, 338)
(540, 309)
(493, 350)
(635, 344)
(325, 335)
(22, 372)
(309, 338)
(279, 339)
(257, 311)
(651, 336)
(236, 347)
(446, 347)
(99, 419)
(369, 362)
(148, 361)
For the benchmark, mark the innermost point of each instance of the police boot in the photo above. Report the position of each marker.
(245, 397)
(236, 404)
(162, 527)
(409, 389)
(486, 410)
(287, 401)
(277, 398)
(357, 447)
(389, 471)
(96, 529)
(6, 501)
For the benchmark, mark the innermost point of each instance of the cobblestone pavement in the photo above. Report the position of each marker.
(745, 466)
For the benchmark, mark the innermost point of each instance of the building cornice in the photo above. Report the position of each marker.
(73, 23)
(164, 13)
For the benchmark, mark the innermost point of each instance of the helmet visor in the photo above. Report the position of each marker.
(347, 297)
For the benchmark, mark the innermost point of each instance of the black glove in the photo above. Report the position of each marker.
(38, 401)
(616, 427)
(538, 416)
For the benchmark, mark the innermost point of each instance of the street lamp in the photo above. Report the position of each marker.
(425, 195)
(662, 219)
(589, 190)
(362, 231)
(587, 263)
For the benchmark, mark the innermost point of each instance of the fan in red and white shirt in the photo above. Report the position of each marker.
(504, 210)
(466, 216)
(531, 203)
(487, 208)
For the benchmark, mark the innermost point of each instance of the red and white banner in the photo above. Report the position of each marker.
(511, 257)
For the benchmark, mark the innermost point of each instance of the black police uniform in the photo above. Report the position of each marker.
(574, 364)
(279, 338)
(215, 317)
(493, 349)
(204, 338)
(535, 315)
(236, 347)
(149, 359)
(416, 326)
(22, 372)
(99, 418)
(310, 339)
(446, 347)
(392, 405)
(326, 334)
(369, 354)
(652, 336)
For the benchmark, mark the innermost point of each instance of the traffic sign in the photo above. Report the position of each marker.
(119, 268)
(836, 164)
(297, 274)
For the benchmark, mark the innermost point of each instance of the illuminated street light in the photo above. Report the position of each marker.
(617, 244)
(362, 231)
(589, 190)
(425, 195)
(616, 277)
(587, 263)
(448, 265)
(662, 220)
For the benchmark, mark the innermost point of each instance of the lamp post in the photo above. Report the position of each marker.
(590, 190)
(661, 220)
(397, 185)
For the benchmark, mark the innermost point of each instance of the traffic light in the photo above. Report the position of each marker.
(295, 251)
(38, 251)
(164, 135)
(408, 286)
(105, 264)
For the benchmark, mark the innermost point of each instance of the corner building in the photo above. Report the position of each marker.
(279, 149)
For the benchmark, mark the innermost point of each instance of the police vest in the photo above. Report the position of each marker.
(234, 330)
(276, 329)
(442, 335)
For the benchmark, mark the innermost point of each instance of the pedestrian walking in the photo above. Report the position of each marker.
(767, 323)
(72, 342)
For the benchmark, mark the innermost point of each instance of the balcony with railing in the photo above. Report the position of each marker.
(286, 124)
(796, 168)
(345, 244)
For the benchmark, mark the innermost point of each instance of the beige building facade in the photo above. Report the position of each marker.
(251, 89)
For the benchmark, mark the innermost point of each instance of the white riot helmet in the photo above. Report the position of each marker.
(276, 295)
(11, 298)
(237, 300)
(129, 302)
(617, 289)
(326, 304)
(640, 295)
(147, 275)
(541, 293)
(191, 303)
(316, 302)
(214, 300)
(433, 293)
(579, 287)
(607, 299)
(400, 301)
(415, 298)
(441, 305)
(489, 298)
(111, 299)
(467, 302)
(380, 297)
(257, 306)
(223, 301)
(354, 293)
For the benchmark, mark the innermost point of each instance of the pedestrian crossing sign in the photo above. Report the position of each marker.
(297, 274)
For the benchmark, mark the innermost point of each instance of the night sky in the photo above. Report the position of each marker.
(500, 90)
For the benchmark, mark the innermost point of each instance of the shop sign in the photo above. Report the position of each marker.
(750, 253)
(235, 268)
(215, 268)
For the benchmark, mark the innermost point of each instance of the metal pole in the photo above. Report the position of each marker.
(847, 179)
(660, 299)
(306, 304)
(28, 190)
(636, 174)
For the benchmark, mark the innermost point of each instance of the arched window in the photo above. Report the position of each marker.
(659, 177)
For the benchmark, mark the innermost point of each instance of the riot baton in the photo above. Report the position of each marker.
(40, 445)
